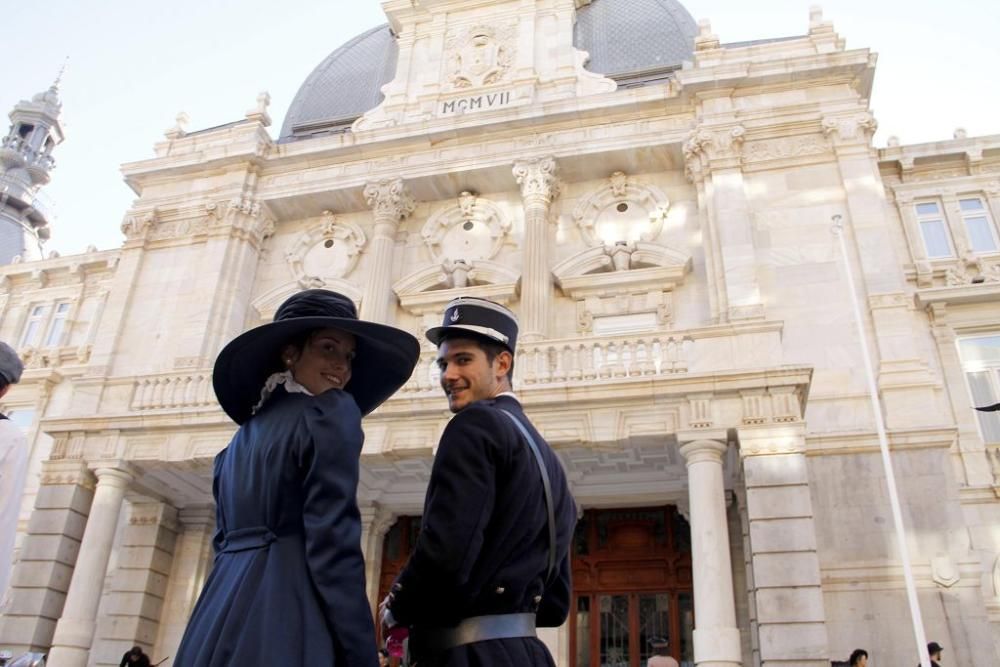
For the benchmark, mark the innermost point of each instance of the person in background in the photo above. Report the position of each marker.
(661, 654)
(859, 658)
(13, 468)
(934, 651)
(135, 657)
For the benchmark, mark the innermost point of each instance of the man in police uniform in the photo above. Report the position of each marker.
(492, 559)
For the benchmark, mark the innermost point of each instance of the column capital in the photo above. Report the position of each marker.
(538, 179)
(704, 451)
(390, 199)
(113, 473)
(377, 519)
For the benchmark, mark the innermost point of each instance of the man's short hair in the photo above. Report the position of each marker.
(489, 347)
(856, 655)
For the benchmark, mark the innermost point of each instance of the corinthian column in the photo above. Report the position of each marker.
(716, 637)
(75, 630)
(539, 186)
(391, 203)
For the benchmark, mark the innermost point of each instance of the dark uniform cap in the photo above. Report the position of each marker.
(10, 364)
(479, 317)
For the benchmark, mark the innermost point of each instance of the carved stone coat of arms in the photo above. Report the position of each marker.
(480, 55)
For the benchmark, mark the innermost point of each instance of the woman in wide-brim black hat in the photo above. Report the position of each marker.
(288, 584)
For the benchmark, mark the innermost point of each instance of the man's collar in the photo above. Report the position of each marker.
(509, 394)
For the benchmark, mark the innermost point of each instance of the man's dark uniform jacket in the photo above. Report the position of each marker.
(484, 543)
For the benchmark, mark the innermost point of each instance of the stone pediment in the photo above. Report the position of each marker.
(267, 303)
(429, 289)
(622, 268)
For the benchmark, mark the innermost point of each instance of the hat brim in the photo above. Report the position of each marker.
(384, 360)
(437, 334)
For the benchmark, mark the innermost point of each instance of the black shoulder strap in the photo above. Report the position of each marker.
(546, 486)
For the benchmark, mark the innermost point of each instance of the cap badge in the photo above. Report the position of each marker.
(455, 316)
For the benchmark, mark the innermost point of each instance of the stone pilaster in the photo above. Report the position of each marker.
(237, 231)
(786, 590)
(904, 379)
(51, 547)
(716, 637)
(75, 631)
(539, 187)
(375, 523)
(139, 584)
(391, 203)
(712, 157)
(191, 564)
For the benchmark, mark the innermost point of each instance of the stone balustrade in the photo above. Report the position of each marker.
(580, 359)
(183, 390)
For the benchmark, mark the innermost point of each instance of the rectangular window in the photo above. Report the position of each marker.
(978, 225)
(58, 325)
(36, 322)
(934, 230)
(981, 364)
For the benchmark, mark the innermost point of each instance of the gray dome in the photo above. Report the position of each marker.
(626, 37)
(344, 86)
(634, 41)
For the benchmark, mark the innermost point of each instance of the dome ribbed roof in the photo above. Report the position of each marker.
(623, 37)
(631, 36)
(346, 84)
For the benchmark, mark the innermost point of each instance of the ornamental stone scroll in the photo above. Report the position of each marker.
(326, 251)
(622, 210)
(472, 229)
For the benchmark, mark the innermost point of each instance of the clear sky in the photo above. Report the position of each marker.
(134, 64)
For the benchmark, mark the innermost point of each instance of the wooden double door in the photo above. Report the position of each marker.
(631, 583)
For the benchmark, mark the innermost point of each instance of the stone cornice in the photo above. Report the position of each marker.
(866, 442)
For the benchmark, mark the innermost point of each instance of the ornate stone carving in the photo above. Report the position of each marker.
(861, 126)
(623, 210)
(325, 251)
(480, 55)
(389, 199)
(705, 145)
(538, 179)
(473, 229)
(784, 148)
(136, 224)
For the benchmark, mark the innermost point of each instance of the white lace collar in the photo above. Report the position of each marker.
(283, 377)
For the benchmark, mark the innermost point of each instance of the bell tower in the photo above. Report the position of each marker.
(25, 165)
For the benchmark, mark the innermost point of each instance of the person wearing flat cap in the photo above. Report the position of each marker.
(13, 466)
(492, 559)
(288, 583)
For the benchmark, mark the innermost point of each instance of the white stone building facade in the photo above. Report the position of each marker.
(660, 218)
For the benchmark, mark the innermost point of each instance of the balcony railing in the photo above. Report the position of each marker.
(185, 390)
(580, 359)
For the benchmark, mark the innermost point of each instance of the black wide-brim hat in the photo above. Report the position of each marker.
(384, 357)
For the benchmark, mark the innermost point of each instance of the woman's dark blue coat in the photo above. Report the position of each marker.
(288, 583)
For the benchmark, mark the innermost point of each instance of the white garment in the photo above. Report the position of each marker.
(13, 470)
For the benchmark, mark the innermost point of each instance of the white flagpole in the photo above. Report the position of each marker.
(883, 443)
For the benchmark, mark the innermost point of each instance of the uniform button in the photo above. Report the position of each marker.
(500, 590)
